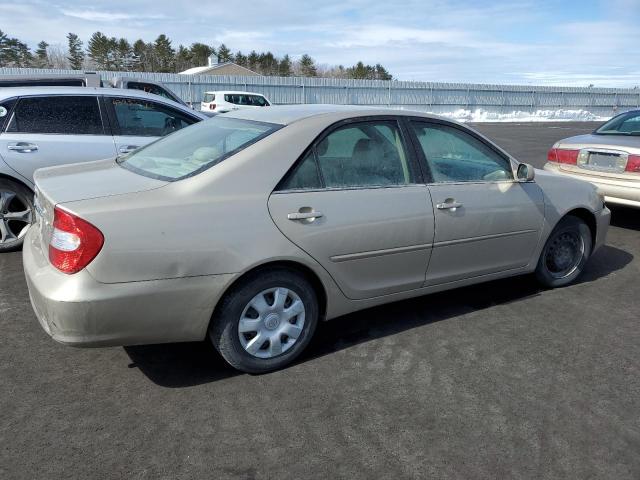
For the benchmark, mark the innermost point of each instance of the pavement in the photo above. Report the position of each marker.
(500, 380)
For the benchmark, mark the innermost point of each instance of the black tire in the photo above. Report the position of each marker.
(223, 330)
(23, 198)
(565, 253)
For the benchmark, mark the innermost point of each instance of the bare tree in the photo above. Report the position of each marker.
(57, 56)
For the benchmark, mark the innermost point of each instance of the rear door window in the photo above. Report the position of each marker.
(363, 154)
(68, 115)
(5, 111)
(243, 99)
(144, 118)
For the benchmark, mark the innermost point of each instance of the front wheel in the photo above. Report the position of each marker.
(266, 321)
(16, 214)
(565, 254)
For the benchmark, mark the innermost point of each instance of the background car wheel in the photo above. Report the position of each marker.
(266, 321)
(16, 214)
(565, 254)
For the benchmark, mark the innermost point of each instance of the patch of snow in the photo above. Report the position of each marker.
(481, 115)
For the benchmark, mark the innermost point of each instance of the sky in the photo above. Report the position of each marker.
(537, 42)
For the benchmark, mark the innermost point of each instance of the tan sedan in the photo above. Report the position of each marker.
(609, 158)
(251, 227)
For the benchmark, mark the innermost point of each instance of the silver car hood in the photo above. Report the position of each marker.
(83, 181)
(611, 141)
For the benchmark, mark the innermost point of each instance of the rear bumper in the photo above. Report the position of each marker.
(616, 191)
(80, 311)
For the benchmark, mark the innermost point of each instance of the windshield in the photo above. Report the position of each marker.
(625, 124)
(192, 150)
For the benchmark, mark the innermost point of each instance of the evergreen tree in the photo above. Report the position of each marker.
(19, 54)
(240, 59)
(368, 72)
(125, 58)
(141, 54)
(42, 59)
(76, 55)
(4, 49)
(268, 64)
(14, 53)
(252, 61)
(184, 58)
(100, 51)
(224, 54)
(382, 73)
(284, 68)
(359, 71)
(308, 66)
(200, 54)
(163, 54)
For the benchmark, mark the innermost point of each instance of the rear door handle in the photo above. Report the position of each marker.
(449, 204)
(311, 216)
(128, 148)
(23, 147)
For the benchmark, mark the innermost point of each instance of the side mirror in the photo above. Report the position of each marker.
(525, 173)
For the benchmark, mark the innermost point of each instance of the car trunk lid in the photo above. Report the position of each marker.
(82, 181)
(602, 155)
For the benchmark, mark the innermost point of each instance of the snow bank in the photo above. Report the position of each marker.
(481, 115)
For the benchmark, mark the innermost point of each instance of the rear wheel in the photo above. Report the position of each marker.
(266, 321)
(565, 254)
(16, 214)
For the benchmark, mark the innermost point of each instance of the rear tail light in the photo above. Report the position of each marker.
(633, 164)
(74, 242)
(560, 155)
(212, 106)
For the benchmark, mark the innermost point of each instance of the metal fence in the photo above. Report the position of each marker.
(423, 96)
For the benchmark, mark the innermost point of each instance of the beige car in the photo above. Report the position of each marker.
(251, 227)
(609, 158)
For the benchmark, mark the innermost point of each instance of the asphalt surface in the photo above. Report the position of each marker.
(501, 380)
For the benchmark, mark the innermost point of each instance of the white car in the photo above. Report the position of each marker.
(221, 102)
(47, 126)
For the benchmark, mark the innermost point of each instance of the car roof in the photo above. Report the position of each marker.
(38, 90)
(9, 92)
(235, 92)
(287, 114)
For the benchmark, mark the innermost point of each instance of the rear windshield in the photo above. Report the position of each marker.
(625, 124)
(192, 150)
(242, 99)
(209, 97)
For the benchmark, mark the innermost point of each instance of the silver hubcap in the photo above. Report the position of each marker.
(564, 254)
(271, 323)
(15, 217)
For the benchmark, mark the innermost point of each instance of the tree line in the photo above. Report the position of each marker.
(118, 54)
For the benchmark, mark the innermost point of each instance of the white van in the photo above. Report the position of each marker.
(221, 102)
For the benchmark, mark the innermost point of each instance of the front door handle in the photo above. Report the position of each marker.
(309, 216)
(128, 148)
(23, 147)
(449, 204)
